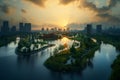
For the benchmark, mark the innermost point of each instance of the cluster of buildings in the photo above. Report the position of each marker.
(6, 29)
(55, 29)
(99, 30)
(24, 27)
(113, 30)
(89, 29)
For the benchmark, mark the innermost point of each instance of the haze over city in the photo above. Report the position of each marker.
(59, 40)
(60, 13)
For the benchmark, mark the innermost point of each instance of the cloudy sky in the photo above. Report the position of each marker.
(60, 12)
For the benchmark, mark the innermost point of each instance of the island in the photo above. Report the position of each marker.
(30, 44)
(74, 59)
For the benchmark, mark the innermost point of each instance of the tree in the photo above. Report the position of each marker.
(55, 51)
(72, 49)
(61, 47)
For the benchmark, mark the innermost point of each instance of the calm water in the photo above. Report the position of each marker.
(13, 67)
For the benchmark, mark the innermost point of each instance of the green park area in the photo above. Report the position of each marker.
(73, 59)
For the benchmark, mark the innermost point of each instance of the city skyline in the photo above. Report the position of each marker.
(59, 39)
(60, 12)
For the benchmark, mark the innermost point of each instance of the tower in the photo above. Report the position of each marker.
(89, 29)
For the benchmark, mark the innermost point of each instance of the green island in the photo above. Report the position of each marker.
(80, 57)
(73, 59)
(31, 44)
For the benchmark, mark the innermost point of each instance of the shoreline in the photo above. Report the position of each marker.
(49, 63)
(32, 52)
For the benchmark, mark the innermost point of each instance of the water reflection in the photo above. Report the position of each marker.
(90, 64)
(65, 40)
(101, 63)
(56, 76)
(32, 67)
(27, 61)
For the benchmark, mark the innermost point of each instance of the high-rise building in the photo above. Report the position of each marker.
(99, 29)
(55, 28)
(27, 27)
(5, 28)
(64, 29)
(89, 29)
(42, 29)
(52, 29)
(68, 28)
(59, 29)
(21, 27)
(47, 29)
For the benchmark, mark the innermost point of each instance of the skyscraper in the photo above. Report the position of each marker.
(99, 29)
(68, 28)
(89, 29)
(42, 29)
(47, 29)
(5, 28)
(27, 27)
(21, 27)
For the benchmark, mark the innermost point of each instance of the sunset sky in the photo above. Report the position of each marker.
(60, 12)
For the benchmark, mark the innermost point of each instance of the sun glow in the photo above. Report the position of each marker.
(64, 40)
(63, 24)
(56, 14)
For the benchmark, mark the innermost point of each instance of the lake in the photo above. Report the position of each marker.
(13, 67)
